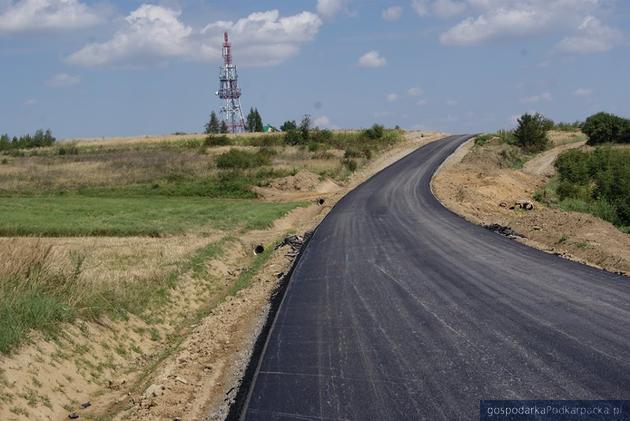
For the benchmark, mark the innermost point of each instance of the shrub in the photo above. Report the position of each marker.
(531, 134)
(605, 127)
(352, 153)
(213, 140)
(600, 180)
(506, 136)
(483, 139)
(68, 150)
(350, 164)
(313, 146)
(236, 158)
(548, 124)
(375, 132)
(321, 136)
(4, 161)
(293, 137)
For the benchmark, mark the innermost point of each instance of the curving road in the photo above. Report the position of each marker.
(399, 309)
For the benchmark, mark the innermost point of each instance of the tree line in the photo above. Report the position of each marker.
(40, 139)
(253, 123)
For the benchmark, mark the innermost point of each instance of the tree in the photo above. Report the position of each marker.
(224, 128)
(258, 123)
(605, 127)
(250, 124)
(213, 125)
(305, 127)
(288, 125)
(548, 124)
(5, 142)
(531, 134)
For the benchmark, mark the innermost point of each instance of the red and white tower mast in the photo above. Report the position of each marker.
(229, 91)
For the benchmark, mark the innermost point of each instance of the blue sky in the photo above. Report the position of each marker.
(106, 68)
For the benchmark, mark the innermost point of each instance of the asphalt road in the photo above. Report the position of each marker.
(399, 309)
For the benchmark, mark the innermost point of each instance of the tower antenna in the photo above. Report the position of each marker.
(229, 91)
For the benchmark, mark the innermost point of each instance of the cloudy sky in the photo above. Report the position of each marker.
(102, 68)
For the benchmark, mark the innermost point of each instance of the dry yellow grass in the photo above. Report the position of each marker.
(108, 261)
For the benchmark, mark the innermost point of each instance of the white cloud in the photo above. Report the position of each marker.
(149, 33)
(392, 13)
(372, 59)
(498, 19)
(392, 97)
(422, 102)
(329, 8)
(61, 80)
(448, 8)
(583, 92)
(263, 38)
(593, 37)
(544, 97)
(155, 34)
(322, 121)
(440, 8)
(46, 15)
(414, 92)
(421, 7)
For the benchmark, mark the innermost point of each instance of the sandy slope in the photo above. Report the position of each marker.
(472, 184)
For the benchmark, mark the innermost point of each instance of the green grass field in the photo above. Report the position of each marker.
(63, 216)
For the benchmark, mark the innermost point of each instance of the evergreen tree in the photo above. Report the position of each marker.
(5, 142)
(250, 124)
(213, 125)
(258, 123)
(531, 133)
(224, 128)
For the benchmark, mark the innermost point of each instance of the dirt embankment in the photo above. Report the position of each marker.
(475, 183)
(175, 363)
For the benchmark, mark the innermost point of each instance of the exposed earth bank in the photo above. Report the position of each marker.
(476, 184)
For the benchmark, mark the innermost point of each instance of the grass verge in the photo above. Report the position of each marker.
(145, 216)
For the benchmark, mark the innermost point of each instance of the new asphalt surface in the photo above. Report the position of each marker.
(399, 309)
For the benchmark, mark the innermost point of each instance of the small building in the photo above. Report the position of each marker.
(268, 128)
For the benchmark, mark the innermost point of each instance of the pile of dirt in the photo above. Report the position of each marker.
(302, 181)
(476, 185)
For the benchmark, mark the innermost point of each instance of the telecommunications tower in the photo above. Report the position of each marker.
(229, 91)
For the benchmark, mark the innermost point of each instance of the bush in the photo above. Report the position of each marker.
(600, 180)
(70, 149)
(483, 139)
(531, 133)
(350, 164)
(321, 136)
(375, 132)
(548, 124)
(217, 141)
(605, 127)
(236, 158)
(352, 153)
(293, 137)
